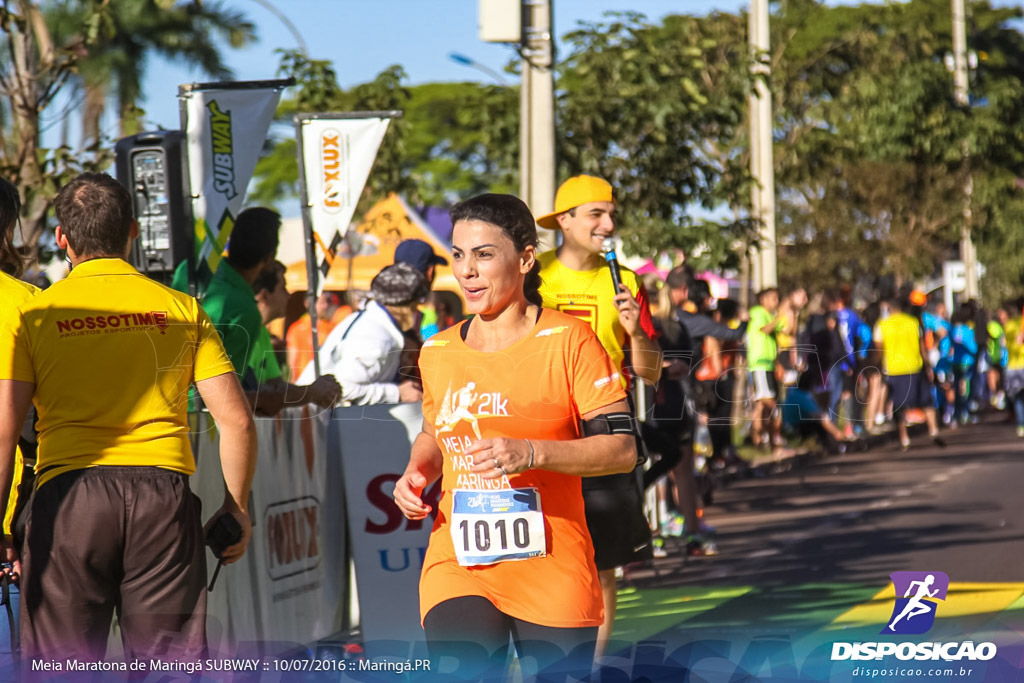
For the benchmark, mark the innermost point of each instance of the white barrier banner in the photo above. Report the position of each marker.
(226, 127)
(288, 587)
(387, 548)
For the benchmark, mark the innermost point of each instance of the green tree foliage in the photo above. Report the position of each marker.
(870, 148)
(658, 110)
(98, 48)
(122, 36)
(33, 70)
(453, 139)
(463, 139)
(317, 90)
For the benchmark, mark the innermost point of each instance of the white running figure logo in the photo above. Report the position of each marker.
(916, 605)
(455, 409)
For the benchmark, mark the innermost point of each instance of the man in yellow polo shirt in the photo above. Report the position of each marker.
(575, 279)
(910, 378)
(108, 356)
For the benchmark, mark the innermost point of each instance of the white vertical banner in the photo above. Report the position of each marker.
(387, 548)
(226, 125)
(336, 153)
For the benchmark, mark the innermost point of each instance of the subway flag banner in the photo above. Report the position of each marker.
(336, 153)
(226, 125)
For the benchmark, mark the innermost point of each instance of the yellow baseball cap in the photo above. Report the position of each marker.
(581, 189)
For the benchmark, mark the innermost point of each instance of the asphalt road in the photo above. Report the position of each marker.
(806, 555)
(857, 517)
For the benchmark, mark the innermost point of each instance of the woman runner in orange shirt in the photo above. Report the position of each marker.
(504, 395)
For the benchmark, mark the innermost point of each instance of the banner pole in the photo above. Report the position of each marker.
(183, 95)
(312, 287)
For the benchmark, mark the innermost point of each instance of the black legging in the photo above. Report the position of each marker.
(471, 635)
(720, 418)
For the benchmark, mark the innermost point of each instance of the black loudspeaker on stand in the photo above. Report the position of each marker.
(154, 168)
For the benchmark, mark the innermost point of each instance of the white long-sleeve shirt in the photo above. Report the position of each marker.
(363, 352)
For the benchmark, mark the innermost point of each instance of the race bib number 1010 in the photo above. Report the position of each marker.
(497, 526)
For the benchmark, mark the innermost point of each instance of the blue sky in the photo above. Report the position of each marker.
(364, 37)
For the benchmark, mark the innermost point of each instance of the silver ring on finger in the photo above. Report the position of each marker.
(503, 471)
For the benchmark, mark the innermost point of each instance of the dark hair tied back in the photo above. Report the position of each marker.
(10, 210)
(513, 216)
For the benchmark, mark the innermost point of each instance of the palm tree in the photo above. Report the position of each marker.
(125, 33)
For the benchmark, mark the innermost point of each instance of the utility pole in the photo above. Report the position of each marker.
(761, 161)
(960, 96)
(537, 114)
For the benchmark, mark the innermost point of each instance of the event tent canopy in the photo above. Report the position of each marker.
(370, 246)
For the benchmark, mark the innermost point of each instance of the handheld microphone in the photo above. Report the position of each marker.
(608, 247)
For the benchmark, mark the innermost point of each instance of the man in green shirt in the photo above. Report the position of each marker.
(229, 299)
(272, 301)
(762, 352)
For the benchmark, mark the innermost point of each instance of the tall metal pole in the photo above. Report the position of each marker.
(761, 161)
(537, 108)
(960, 96)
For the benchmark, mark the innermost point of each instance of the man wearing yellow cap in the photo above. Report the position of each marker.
(576, 280)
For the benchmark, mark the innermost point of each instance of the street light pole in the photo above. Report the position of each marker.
(473, 64)
(537, 120)
(283, 18)
(761, 162)
(960, 95)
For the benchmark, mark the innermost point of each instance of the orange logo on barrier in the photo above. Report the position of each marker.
(330, 163)
(292, 531)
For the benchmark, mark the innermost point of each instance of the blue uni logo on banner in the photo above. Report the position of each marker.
(914, 612)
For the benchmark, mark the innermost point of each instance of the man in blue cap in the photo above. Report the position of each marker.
(420, 255)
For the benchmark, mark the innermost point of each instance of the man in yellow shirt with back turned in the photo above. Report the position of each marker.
(108, 356)
(910, 378)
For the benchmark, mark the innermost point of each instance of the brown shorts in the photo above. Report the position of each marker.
(106, 538)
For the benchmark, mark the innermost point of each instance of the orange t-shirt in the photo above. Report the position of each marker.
(538, 388)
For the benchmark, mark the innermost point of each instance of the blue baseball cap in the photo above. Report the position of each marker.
(418, 254)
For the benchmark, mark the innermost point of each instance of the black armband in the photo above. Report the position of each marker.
(617, 423)
(610, 423)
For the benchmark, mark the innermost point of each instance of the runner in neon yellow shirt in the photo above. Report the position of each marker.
(910, 378)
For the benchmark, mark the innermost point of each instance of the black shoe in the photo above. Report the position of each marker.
(938, 441)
